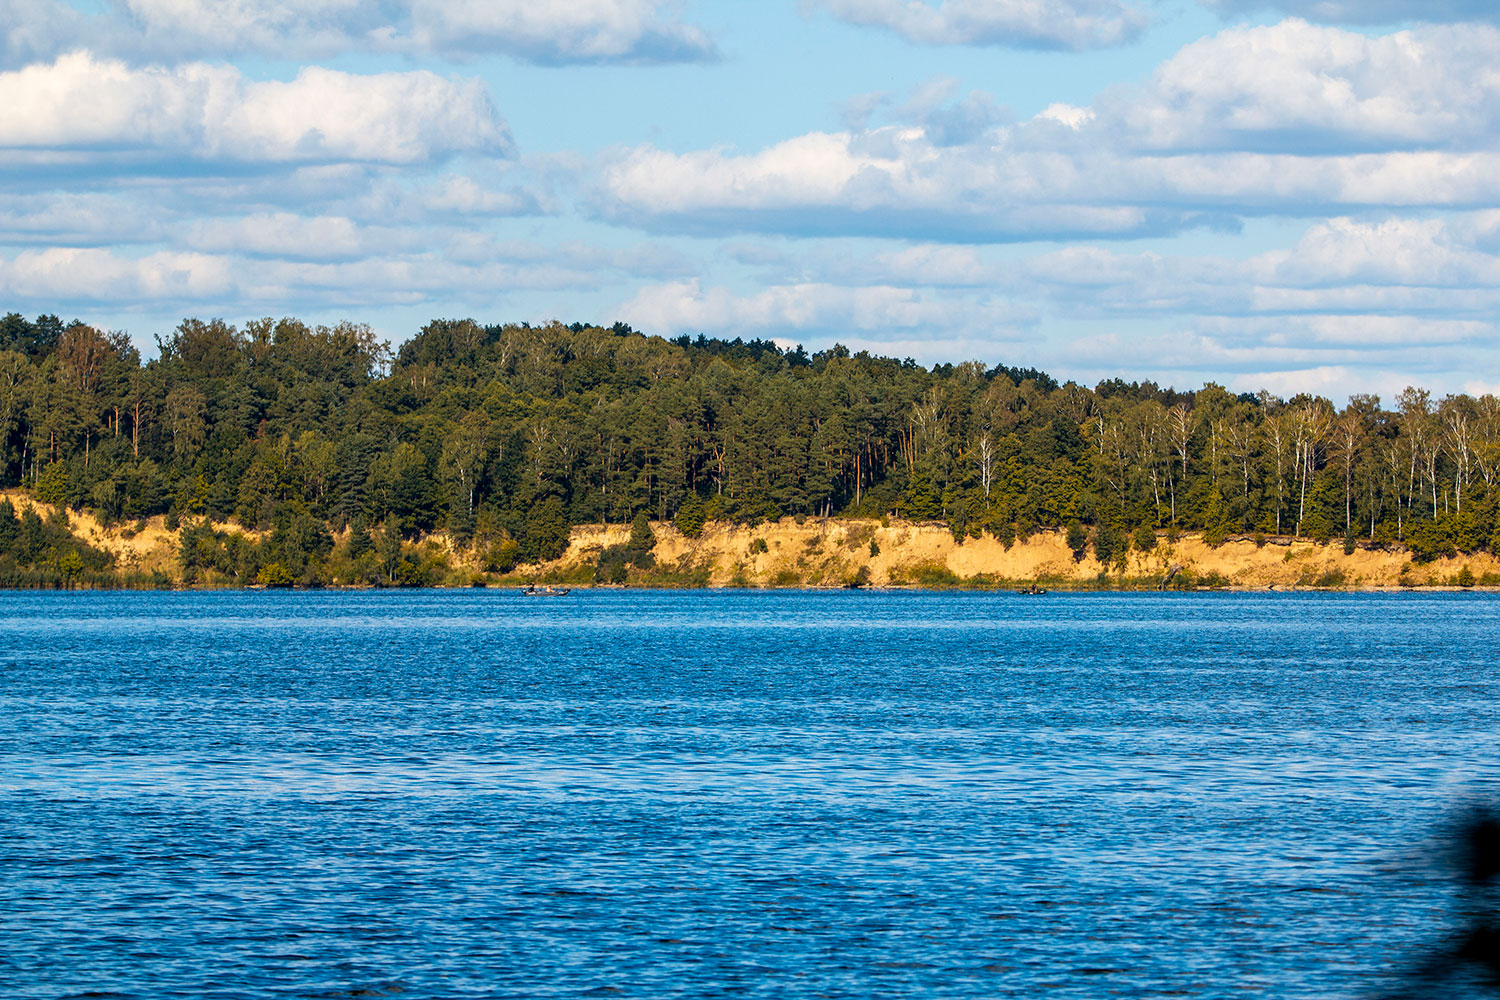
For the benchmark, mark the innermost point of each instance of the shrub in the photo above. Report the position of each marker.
(1107, 542)
(274, 575)
(929, 574)
(52, 485)
(1331, 578)
(611, 568)
(1078, 539)
(691, 516)
(1427, 541)
(501, 556)
(758, 545)
(1465, 577)
(1145, 538)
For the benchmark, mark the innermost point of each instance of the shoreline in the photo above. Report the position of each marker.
(807, 553)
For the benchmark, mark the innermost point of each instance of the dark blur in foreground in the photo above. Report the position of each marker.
(1467, 961)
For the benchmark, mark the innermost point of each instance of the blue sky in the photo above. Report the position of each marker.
(1295, 195)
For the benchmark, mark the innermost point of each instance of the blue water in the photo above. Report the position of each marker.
(475, 794)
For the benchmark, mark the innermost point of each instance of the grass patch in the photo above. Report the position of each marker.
(927, 574)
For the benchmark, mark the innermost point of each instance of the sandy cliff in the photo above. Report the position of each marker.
(831, 552)
(835, 552)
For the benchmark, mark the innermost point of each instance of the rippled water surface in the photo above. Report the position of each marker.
(476, 794)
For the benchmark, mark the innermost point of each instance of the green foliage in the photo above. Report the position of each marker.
(1144, 538)
(1108, 542)
(37, 552)
(874, 547)
(509, 435)
(1427, 541)
(691, 516)
(274, 575)
(758, 546)
(642, 541)
(611, 567)
(927, 574)
(546, 532)
(9, 526)
(52, 485)
(1465, 577)
(1078, 540)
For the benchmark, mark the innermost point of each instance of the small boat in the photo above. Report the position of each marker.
(532, 590)
(1032, 590)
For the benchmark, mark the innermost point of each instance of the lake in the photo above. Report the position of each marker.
(764, 794)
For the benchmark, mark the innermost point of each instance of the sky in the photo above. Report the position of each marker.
(1295, 195)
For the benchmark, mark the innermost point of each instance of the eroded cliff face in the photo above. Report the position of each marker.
(835, 552)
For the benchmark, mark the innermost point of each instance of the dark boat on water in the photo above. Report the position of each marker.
(1032, 590)
(532, 590)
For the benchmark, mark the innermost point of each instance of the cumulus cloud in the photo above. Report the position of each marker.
(578, 31)
(686, 306)
(77, 219)
(1292, 119)
(1301, 88)
(101, 275)
(1286, 356)
(1046, 24)
(894, 182)
(275, 261)
(1405, 270)
(39, 29)
(948, 122)
(284, 234)
(102, 106)
(1365, 11)
(581, 31)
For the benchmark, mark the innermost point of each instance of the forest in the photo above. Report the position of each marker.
(340, 452)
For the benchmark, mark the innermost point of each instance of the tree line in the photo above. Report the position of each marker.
(507, 435)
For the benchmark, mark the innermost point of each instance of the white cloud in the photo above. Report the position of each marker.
(283, 234)
(1053, 24)
(1366, 11)
(104, 107)
(1246, 351)
(449, 196)
(686, 307)
(229, 27)
(39, 29)
(276, 261)
(579, 31)
(948, 122)
(99, 275)
(76, 219)
(890, 182)
(1293, 119)
(1302, 88)
(1396, 266)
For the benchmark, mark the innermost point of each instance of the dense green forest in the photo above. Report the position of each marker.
(505, 436)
